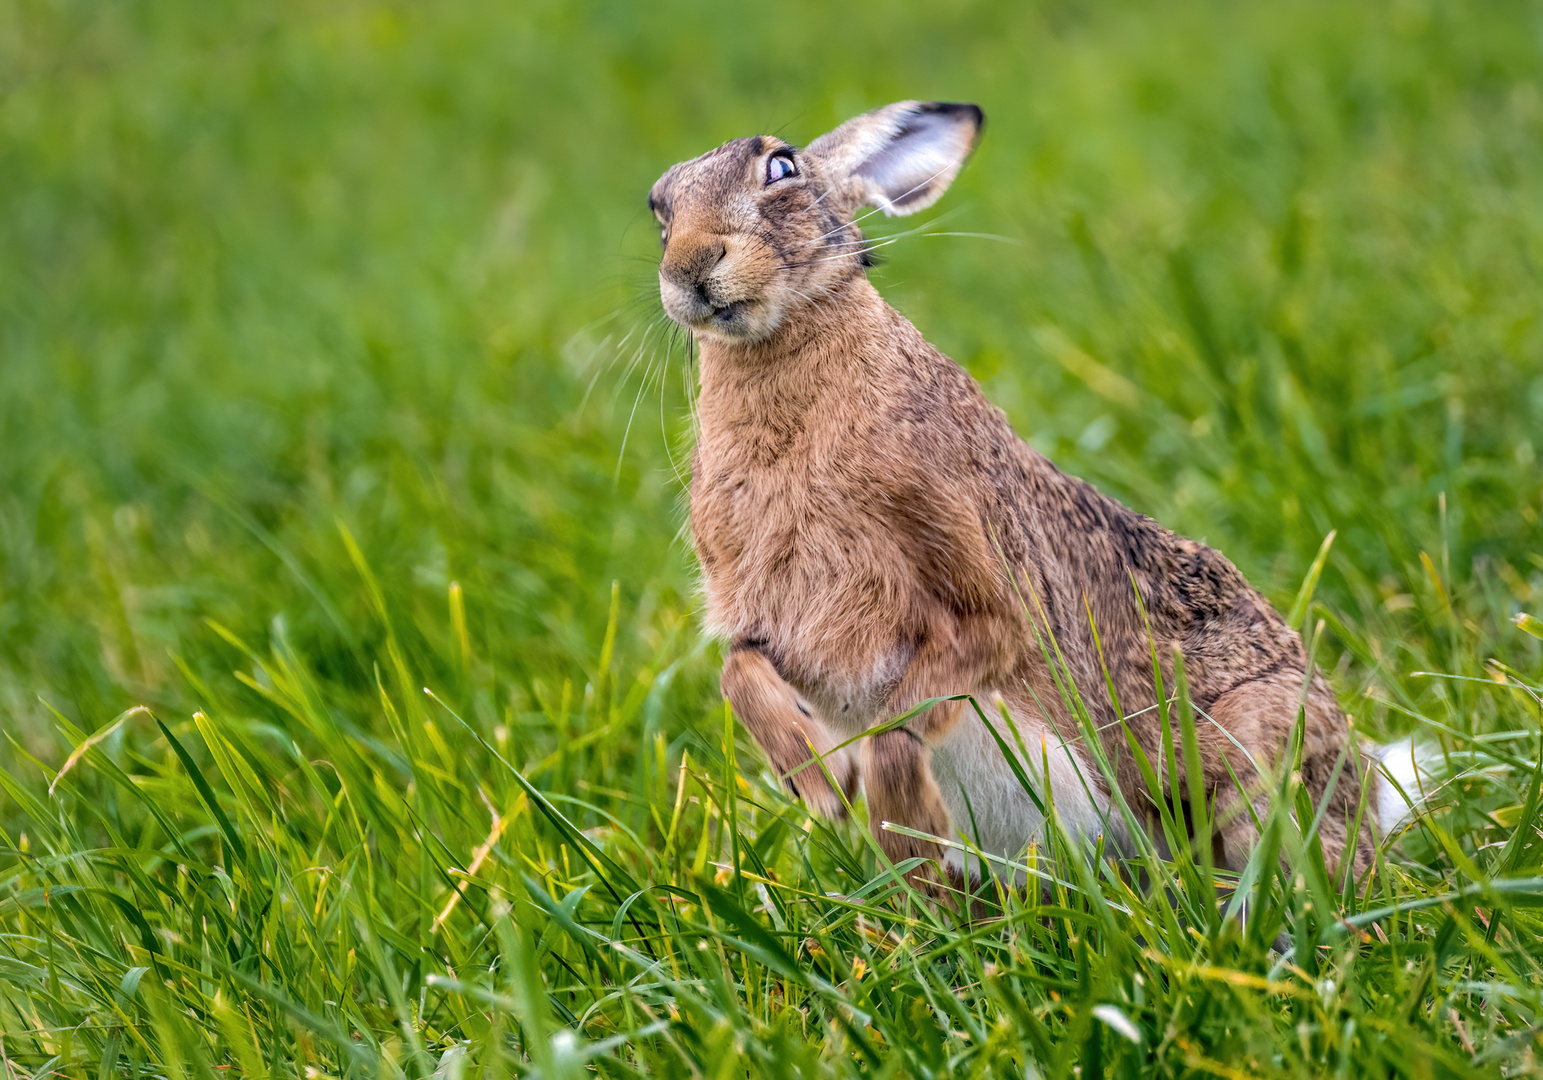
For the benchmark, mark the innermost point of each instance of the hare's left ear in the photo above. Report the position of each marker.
(900, 158)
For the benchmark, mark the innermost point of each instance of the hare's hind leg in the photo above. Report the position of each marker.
(1260, 715)
(786, 729)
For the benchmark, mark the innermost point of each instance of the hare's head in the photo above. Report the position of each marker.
(757, 228)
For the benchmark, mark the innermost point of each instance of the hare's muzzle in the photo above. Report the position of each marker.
(693, 283)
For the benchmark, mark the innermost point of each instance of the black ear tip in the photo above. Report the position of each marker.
(961, 109)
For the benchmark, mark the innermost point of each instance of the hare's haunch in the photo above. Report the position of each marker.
(873, 534)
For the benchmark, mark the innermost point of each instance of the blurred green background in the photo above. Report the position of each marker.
(1261, 271)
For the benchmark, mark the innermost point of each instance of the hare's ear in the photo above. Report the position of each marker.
(900, 158)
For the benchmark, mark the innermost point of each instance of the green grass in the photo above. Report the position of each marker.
(322, 330)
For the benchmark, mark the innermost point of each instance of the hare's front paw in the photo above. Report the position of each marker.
(811, 785)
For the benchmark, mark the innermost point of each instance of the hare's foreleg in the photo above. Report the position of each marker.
(786, 730)
(897, 765)
(899, 788)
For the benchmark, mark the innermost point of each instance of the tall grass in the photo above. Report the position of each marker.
(357, 714)
(285, 880)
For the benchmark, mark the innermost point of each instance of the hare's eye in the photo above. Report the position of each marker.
(780, 166)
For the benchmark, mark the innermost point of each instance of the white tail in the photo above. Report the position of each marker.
(1409, 767)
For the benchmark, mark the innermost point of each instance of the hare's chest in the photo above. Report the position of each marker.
(794, 527)
(802, 560)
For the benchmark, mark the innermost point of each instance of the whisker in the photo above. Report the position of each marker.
(823, 235)
(908, 191)
(874, 243)
(687, 383)
(664, 428)
(978, 236)
(850, 243)
(632, 365)
(816, 202)
(627, 433)
(877, 209)
(928, 224)
(682, 474)
(601, 369)
(841, 255)
(908, 232)
(799, 292)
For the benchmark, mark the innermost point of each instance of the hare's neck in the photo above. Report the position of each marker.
(832, 348)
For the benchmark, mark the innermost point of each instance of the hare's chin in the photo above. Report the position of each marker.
(739, 320)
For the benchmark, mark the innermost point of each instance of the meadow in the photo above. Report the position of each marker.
(357, 716)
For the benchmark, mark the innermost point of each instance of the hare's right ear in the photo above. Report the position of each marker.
(900, 158)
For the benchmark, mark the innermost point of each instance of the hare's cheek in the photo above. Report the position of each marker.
(762, 318)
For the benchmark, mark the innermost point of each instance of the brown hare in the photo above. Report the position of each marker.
(873, 534)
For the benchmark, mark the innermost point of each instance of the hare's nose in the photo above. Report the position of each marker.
(688, 261)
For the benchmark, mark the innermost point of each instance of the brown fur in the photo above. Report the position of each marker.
(872, 533)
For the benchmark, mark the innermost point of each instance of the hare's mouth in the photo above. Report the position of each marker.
(727, 313)
(738, 320)
(700, 311)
